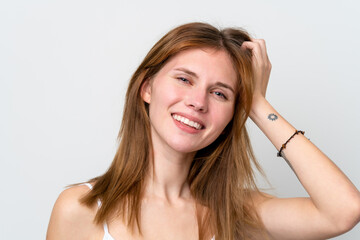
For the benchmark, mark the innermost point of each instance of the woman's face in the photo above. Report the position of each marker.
(191, 100)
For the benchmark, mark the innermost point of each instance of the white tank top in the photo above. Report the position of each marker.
(107, 235)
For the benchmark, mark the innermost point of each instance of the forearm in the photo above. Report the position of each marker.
(331, 192)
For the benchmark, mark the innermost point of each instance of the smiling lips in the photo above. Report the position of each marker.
(187, 122)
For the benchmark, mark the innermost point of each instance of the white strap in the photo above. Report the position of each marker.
(91, 187)
(107, 235)
(88, 184)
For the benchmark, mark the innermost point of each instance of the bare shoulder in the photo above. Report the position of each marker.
(70, 219)
(68, 203)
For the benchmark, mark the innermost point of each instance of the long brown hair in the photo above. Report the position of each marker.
(221, 176)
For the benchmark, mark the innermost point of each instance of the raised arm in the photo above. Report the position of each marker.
(334, 203)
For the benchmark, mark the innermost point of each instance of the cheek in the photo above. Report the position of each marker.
(223, 115)
(167, 94)
(163, 97)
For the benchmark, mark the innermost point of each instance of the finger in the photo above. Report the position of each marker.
(255, 49)
(262, 46)
(256, 44)
(258, 47)
(248, 45)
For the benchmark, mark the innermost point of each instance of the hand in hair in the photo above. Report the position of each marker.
(261, 65)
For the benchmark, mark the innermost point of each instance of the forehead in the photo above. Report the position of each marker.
(211, 64)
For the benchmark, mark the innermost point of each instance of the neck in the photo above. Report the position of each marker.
(167, 176)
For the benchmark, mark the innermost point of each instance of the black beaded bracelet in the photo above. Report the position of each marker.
(284, 145)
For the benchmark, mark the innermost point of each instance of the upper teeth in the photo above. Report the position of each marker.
(187, 121)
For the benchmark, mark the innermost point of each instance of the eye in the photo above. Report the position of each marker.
(220, 94)
(182, 79)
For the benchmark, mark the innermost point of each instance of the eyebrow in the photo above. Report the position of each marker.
(224, 85)
(191, 73)
(187, 71)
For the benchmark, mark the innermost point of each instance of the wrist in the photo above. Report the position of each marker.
(258, 107)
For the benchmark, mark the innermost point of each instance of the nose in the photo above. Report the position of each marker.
(197, 100)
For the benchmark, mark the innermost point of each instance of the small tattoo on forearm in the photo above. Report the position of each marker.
(272, 116)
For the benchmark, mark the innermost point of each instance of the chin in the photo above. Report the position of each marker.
(182, 146)
(186, 147)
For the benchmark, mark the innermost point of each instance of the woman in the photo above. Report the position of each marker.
(183, 167)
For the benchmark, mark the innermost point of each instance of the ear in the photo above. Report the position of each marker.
(146, 91)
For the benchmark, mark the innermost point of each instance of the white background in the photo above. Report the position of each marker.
(65, 65)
